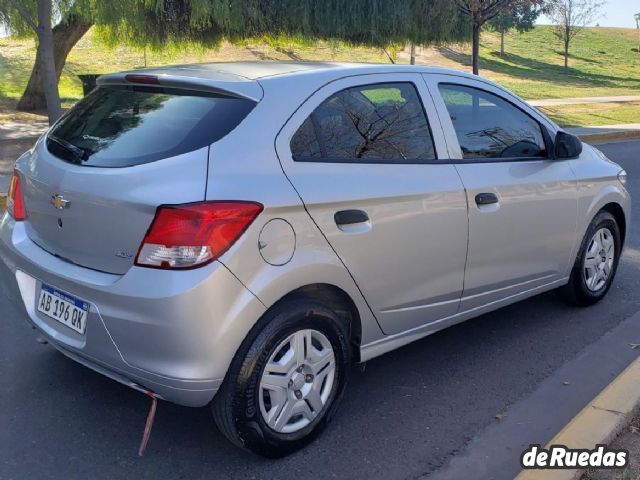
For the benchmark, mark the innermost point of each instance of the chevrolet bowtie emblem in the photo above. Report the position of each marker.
(59, 202)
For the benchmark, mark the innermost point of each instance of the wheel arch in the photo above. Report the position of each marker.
(617, 211)
(339, 301)
(611, 199)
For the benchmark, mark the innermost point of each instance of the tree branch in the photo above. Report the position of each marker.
(482, 12)
(24, 14)
(494, 9)
(464, 7)
(388, 56)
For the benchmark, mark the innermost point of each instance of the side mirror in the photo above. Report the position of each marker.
(567, 146)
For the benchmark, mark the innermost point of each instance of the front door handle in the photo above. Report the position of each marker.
(349, 217)
(486, 198)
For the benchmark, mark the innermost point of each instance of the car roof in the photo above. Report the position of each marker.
(243, 78)
(260, 69)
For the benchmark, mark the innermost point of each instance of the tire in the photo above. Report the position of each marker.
(242, 407)
(582, 289)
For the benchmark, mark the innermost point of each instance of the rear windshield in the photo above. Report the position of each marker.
(122, 126)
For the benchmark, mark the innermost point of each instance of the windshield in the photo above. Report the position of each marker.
(120, 126)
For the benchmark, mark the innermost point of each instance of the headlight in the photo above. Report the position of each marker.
(622, 177)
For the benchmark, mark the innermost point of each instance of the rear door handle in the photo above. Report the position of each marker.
(486, 198)
(349, 217)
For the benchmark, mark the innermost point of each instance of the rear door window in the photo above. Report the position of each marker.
(379, 123)
(130, 125)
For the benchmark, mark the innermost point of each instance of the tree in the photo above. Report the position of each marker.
(483, 11)
(159, 23)
(570, 17)
(74, 18)
(637, 18)
(37, 16)
(480, 12)
(522, 16)
(65, 36)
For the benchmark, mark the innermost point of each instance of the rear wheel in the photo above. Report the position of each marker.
(286, 380)
(596, 263)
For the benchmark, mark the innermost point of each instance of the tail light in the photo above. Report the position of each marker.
(15, 201)
(192, 235)
(146, 79)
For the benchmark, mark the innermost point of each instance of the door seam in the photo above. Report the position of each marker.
(304, 206)
(466, 257)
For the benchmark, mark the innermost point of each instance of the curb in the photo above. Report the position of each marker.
(610, 136)
(598, 423)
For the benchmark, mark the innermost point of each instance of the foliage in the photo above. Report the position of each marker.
(12, 19)
(480, 12)
(570, 17)
(573, 15)
(521, 15)
(157, 23)
(208, 22)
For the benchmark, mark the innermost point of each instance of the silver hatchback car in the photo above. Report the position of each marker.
(238, 234)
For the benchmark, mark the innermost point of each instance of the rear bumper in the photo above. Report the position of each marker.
(169, 332)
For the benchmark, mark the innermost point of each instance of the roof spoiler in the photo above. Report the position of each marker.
(226, 84)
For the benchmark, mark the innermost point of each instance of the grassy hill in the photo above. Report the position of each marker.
(604, 61)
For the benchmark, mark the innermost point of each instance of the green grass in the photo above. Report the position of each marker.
(604, 61)
(594, 113)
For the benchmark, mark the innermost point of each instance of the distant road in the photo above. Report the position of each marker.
(551, 102)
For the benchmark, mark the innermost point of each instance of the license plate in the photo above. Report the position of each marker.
(64, 308)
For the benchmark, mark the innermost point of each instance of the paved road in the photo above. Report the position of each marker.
(601, 133)
(404, 417)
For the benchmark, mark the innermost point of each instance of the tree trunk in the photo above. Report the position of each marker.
(44, 56)
(567, 39)
(413, 54)
(502, 42)
(475, 54)
(65, 35)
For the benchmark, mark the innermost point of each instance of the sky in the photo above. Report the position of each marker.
(615, 13)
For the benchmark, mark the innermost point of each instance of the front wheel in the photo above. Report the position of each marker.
(596, 263)
(286, 380)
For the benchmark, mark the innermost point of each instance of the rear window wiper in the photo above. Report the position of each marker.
(79, 153)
